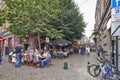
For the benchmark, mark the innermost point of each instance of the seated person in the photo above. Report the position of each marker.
(60, 53)
(55, 55)
(28, 57)
(42, 55)
(36, 55)
(44, 58)
(47, 58)
(31, 55)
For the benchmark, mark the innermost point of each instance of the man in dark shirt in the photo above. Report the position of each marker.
(6, 50)
(18, 49)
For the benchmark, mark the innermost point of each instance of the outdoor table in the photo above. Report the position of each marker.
(60, 54)
(65, 54)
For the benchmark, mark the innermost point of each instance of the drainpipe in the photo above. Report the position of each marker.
(112, 54)
(117, 52)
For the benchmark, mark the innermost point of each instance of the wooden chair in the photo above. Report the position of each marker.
(49, 62)
(27, 60)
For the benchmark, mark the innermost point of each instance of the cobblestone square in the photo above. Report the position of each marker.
(77, 69)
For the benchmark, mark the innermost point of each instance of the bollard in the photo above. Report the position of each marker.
(88, 65)
(65, 66)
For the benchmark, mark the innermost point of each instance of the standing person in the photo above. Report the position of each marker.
(83, 49)
(0, 55)
(18, 49)
(88, 50)
(7, 50)
(100, 51)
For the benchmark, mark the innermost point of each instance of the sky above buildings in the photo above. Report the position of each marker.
(87, 7)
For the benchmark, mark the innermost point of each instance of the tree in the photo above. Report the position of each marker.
(51, 18)
(70, 20)
(2, 18)
(32, 16)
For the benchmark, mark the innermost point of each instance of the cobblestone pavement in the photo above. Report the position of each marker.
(77, 70)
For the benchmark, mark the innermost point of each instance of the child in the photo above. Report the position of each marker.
(13, 58)
(35, 58)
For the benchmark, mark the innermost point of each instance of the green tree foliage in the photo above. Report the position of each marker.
(2, 18)
(70, 20)
(32, 16)
(52, 18)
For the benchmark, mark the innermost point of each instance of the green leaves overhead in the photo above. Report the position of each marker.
(52, 18)
(31, 15)
(70, 20)
(2, 18)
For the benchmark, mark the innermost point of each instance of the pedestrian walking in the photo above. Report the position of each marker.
(83, 49)
(97, 48)
(88, 50)
(100, 51)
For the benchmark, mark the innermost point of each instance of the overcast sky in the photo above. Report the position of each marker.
(87, 7)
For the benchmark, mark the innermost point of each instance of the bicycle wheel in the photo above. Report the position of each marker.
(116, 75)
(94, 70)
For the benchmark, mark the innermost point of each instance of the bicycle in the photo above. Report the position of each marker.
(109, 72)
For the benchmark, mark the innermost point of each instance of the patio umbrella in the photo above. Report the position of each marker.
(60, 42)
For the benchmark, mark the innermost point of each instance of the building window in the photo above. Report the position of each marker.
(104, 36)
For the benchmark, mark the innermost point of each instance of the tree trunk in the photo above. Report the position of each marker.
(39, 44)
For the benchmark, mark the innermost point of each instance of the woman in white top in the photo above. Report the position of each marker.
(88, 50)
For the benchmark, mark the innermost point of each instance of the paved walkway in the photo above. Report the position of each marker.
(77, 70)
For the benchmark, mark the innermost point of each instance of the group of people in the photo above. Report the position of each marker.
(84, 50)
(42, 57)
(30, 56)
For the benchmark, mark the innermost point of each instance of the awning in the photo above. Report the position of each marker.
(60, 42)
(30, 36)
(1, 39)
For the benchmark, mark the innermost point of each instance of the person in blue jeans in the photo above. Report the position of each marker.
(44, 58)
(44, 61)
(18, 50)
(0, 55)
(55, 55)
(83, 49)
(39, 59)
